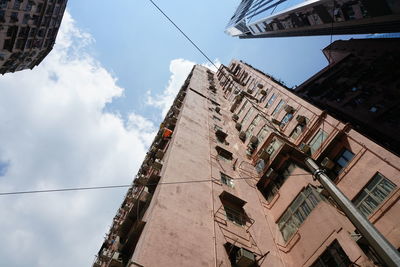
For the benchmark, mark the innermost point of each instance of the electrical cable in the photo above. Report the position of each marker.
(119, 186)
(184, 34)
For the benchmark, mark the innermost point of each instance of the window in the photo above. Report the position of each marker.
(270, 101)
(373, 194)
(226, 180)
(317, 141)
(298, 211)
(343, 159)
(288, 117)
(333, 256)
(244, 107)
(253, 125)
(265, 130)
(273, 187)
(297, 131)
(217, 128)
(278, 107)
(247, 116)
(235, 215)
(224, 154)
(216, 118)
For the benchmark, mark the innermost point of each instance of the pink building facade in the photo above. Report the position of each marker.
(224, 182)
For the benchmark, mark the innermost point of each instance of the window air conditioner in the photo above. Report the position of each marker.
(235, 117)
(238, 126)
(242, 136)
(289, 109)
(254, 140)
(245, 258)
(304, 148)
(301, 119)
(217, 109)
(327, 163)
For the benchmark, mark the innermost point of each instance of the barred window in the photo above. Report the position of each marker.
(298, 211)
(373, 194)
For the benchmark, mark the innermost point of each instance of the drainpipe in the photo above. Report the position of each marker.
(377, 241)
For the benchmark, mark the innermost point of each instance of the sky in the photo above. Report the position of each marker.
(87, 114)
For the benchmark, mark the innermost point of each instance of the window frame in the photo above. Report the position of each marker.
(278, 107)
(227, 180)
(368, 192)
(315, 140)
(271, 100)
(234, 215)
(295, 214)
(341, 155)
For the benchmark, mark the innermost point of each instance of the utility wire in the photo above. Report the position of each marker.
(118, 186)
(184, 34)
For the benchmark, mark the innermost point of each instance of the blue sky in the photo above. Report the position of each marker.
(86, 115)
(137, 44)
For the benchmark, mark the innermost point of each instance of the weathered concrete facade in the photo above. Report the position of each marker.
(224, 183)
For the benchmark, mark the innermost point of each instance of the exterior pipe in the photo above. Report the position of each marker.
(377, 241)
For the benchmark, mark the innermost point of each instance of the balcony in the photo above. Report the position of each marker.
(273, 152)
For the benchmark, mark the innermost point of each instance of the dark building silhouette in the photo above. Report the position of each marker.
(361, 86)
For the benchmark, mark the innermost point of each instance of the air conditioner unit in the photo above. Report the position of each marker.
(289, 109)
(242, 136)
(238, 126)
(235, 117)
(327, 163)
(263, 92)
(260, 85)
(304, 148)
(301, 119)
(217, 109)
(245, 258)
(254, 140)
(249, 91)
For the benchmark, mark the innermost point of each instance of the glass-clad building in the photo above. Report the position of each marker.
(279, 18)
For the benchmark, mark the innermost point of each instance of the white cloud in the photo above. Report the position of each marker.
(54, 134)
(180, 69)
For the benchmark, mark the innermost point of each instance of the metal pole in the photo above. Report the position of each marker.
(378, 242)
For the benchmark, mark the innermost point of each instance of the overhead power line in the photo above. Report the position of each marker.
(184, 34)
(118, 186)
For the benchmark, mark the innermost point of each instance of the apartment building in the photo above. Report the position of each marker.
(361, 86)
(279, 18)
(224, 182)
(28, 30)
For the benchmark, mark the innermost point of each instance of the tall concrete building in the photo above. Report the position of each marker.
(278, 18)
(28, 30)
(224, 182)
